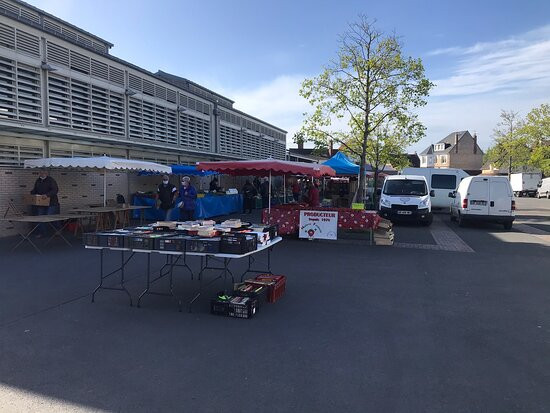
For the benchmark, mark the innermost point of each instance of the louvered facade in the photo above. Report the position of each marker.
(59, 86)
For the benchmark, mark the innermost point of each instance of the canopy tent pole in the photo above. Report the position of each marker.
(269, 199)
(284, 189)
(104, 187)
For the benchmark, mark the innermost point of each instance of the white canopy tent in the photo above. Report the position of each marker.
(101, 163)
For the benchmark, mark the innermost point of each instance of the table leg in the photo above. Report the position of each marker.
(27, 238)
(102, 277)
(148, 280)
(58, 233)
(257, 271)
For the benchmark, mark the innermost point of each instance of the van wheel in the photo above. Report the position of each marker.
(507, 226)
(548, 195)
(460, 220)
(428, 222)
(538, 195)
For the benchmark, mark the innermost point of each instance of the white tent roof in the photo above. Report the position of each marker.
(101, 162)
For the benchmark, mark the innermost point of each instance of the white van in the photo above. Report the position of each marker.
(406, 197)
(483, 198)
(543, 189)
(441, 180)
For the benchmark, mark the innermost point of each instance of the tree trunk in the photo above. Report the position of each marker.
(361, 184)
(375, 188)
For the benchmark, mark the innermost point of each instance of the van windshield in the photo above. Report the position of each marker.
(409, 187)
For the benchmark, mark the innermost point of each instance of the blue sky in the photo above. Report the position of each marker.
(483, 55)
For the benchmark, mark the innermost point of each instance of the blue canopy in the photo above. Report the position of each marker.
(184, 170)
(342, 165)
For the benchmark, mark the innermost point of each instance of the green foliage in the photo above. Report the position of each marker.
(366, 94)
(522, 142)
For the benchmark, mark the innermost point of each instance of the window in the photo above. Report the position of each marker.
(443, 182)
(408, 187)
(443, 159)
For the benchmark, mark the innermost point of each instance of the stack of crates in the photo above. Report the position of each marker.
(232, 306)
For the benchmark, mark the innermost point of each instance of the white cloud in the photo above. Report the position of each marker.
(516, 63)
(511, 74)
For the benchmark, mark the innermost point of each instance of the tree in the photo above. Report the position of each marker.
(387, 145)
(536, 132)
(370, 83)
(510, 147)
(519, 142)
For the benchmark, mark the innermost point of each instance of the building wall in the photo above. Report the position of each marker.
(94, 97)
(466, 158)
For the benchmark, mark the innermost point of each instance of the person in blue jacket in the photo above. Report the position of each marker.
(188, 195)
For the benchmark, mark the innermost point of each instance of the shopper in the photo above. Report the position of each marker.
(188, 195)
(249, 194)
(166, 195)
(45, 185)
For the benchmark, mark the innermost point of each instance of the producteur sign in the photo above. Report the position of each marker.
(318, 224)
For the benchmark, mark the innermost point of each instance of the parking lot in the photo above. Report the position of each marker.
(448, 320)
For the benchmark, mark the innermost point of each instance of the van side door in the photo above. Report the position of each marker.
(500, 199)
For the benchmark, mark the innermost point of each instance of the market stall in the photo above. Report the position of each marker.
(101, 163)
(206, 206)
(267, 167)
(217, 246)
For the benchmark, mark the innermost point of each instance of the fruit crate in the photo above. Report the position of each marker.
(204, 245)
(236, 307)
(172, 243)
(276, 286)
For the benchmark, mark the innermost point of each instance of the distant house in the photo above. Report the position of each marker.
(457, 150)
(414, 160)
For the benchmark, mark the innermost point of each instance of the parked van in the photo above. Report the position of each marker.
(441, 181)
(480, 198)
(543, 189)
(406, 197)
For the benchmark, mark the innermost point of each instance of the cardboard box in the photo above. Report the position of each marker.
(38, 200)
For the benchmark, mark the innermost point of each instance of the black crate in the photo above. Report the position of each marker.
(272, 229)
(259, 292)
(172, 243)
(204, 245)
(238, 243)
(143, 241)
(105, 239)
(246, 309)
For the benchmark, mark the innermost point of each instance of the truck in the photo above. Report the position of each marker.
(525, 183)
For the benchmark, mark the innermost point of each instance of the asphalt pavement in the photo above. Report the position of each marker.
(449, 320)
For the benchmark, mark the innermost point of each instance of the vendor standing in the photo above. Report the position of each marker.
(46, 186)
(166, 195)
(313, 195)
(188, 195)
(214, 187)
(249, 193)
(296, 190)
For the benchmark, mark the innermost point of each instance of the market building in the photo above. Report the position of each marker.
(62, 94)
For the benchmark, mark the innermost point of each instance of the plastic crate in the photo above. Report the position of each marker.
(143, 241)
(276, 286)
(105, 239)
(238, 243)
(204, 245)
(172, 243)
(244, 309)
(258, 291)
